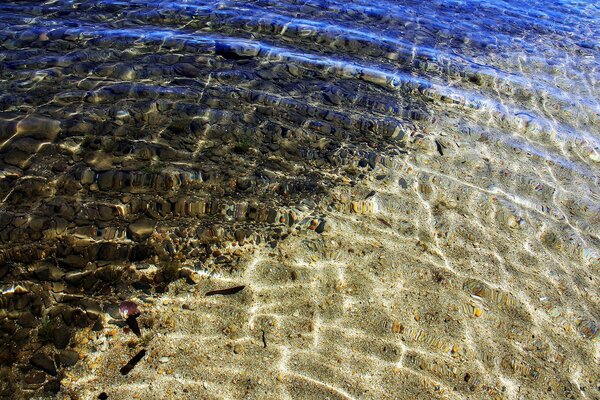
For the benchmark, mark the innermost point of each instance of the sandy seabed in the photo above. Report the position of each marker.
(425, 284)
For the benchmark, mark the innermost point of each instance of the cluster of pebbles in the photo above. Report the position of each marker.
(166, 152)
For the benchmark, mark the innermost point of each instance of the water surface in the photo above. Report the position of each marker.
(408, 190)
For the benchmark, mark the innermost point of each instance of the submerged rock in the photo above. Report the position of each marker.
(44, 362)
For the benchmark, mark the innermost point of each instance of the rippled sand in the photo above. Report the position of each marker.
(440, 289)
(408, 192)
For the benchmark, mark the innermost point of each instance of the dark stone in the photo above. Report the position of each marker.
(90, 306)
(22, 335)
(244, 184)
(39, 127)
(112, 310)
(27, 320)
(186, 69)
(52, 386)
(4, 268)
(43, 362)
(76, 276)
(35, 378)
(141, 252)
(61, 336)
(98, 326)
(108, 251)
(68, 358)
(8, 326)
(197, 126)
(74, 262)
(373, 160)
(320, 227)
(141, 285)
(17, 158)
(89, 281)
(79, 318)
(235, 52)
(21, 301)
(48, 272)
(271, 216)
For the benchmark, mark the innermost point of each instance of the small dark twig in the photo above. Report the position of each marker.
(133, 362)
(224, 292)
(383, 221)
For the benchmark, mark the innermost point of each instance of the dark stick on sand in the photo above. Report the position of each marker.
(232, 290)
(133, 362)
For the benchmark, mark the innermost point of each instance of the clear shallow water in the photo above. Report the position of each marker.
(195, 131)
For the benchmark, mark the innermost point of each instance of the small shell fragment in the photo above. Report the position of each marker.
(588, 329)
(128, 308)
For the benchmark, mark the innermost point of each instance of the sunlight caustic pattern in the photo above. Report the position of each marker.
(419, 298)
(408, 191)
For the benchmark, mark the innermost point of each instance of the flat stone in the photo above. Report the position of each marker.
(17, 158)
(321, 227)
(52, 386)
(99, 161)
(35, 378)
(38, 127)
(142, 228)
(44, 362)
(8, 326)
(105, 180)
(27, 145)
(109, 251)
(236, 51)
(87, 176)
(112, 310)
(22, 335)
(48, 272)
(27, 320)
(68, 358)
(74, 261)
(61, 336)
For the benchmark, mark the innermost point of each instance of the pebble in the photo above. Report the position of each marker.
(35, 378)
(39, 127)
(238, 348)
(68, 358)
(27, 320)
(43, 362)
